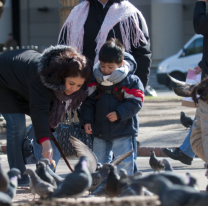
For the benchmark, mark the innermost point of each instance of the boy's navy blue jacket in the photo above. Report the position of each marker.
(94, 111)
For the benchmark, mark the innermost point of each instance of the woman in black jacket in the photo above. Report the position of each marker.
(38, 85)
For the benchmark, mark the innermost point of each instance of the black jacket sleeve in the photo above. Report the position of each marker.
(200, 64)
(200, 19)
(39, 101)
(142, 55)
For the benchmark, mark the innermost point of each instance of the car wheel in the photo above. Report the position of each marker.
(178, 76)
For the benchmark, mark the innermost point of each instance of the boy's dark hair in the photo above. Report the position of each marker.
(202, 90)
(112, 51)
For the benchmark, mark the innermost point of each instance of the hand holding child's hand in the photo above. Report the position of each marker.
(88, 128)
(112, 116)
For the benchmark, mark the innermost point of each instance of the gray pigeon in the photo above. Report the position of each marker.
(13, 175)
(92, 161)
(4, 180)
(192, 181)
(5, 199)
(99, 176)
(99, 191)
(174, 178)
(185, 120)
(155, 164)
(75, 183)
(38, 186)
(44, 175)
(126, 187)
(172, 195)
(111, 182)
(56, 177)
(168, 166)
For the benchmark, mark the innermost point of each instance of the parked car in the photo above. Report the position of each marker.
(178, 65)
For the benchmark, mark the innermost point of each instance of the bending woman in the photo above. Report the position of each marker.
(38, 85)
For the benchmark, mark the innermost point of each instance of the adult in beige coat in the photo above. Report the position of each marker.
(199, 135)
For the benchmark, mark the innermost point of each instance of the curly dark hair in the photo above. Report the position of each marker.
(202, 90)
(67, 63)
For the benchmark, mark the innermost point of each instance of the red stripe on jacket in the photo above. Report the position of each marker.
(92, 84)
(135, 92)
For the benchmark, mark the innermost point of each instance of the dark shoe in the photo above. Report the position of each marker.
(177, 154)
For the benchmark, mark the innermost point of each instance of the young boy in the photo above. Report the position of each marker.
(115, 95)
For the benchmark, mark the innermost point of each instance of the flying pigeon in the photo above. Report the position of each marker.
(43, 174)
(155, 164)
(185, 120)
(38, 186)
(13, 175)
(92, 160)
(184, 89)
(75, 183)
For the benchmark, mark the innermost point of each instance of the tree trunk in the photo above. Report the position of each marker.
(2, 2)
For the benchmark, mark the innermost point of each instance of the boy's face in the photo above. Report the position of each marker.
(108, 68)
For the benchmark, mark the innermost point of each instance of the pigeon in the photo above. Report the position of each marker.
(184, 89)
(5, 199)
(168, 166)
(126, 187)
(4, 180)
(13, 175)
(44, 175)
(92, 160)
(75, 183)
(185, 120)
(99, 176)
(192, 181)
(99, 191)
(56, 177)
(38, 186)
(82, 149)
(155, 164)
(111, 182)
(174, 178)
(172, 195)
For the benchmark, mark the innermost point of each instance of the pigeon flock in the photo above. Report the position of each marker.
(106, 181)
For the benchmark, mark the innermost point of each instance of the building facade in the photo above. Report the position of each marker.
(169, 22)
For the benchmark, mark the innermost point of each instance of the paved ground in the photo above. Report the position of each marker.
(159, 127)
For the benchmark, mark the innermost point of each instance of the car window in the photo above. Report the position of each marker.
(195, 47)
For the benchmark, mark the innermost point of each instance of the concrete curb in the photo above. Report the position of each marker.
(141, 151)
(145, 151)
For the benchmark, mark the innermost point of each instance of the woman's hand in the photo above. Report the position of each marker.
(47, 151)
(197, 69)
(88, 128)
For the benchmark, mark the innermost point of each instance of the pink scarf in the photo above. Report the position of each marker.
(123, 12)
